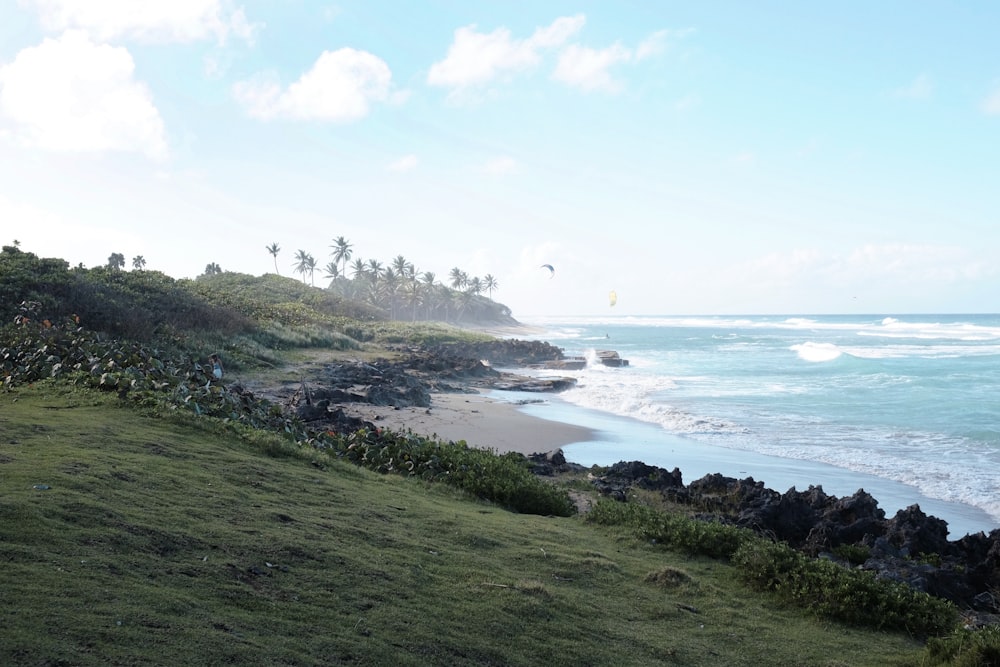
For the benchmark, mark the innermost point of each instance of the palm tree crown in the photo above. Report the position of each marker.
(360, 268)
(490, 283)
(274, 249)
(302, 263)
(459, 278)
(341, 252)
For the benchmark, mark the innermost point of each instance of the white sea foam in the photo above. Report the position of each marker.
(923, 351)
(904, 398)
(943, 469)
(917, 327)
(817, 352)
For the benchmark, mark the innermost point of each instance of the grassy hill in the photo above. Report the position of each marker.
(150, 517)
(169, 541)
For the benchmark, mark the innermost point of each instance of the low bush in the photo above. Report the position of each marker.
(827, 589)
(676, 532)
(966, 648)
(855, 554)
(502, 479)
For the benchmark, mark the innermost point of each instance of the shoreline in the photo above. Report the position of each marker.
(538, 424)
(627, 439)
(481, 420)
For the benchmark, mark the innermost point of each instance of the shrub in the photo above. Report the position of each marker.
(966, 648)
(706, 538)
(502, 479)
(827, 589)
(851, 596)
(855, 554)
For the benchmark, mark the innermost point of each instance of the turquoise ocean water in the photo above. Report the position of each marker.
(906, 407)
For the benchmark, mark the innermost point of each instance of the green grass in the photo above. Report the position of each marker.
(174, 542)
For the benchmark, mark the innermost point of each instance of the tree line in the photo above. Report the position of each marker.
(398, 287)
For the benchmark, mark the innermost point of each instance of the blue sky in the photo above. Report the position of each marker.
(697, 157)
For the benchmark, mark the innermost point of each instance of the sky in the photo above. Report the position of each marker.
(710, 157)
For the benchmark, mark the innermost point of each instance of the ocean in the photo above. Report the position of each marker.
(905, 407)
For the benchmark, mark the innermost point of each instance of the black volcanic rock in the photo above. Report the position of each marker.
(911, 547)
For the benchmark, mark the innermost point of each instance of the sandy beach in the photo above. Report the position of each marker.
(504, 426)
(479, 420)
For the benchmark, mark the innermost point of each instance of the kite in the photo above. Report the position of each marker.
(552, 271)
(613, 297)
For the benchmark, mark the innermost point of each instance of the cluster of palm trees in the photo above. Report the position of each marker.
(399, 288)
(116, 262)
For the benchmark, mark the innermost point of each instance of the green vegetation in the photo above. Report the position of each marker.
(149, 515)
(170, 540)
(822, 587)
(35, 352)
(250, 319)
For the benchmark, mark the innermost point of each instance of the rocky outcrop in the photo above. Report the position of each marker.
(500, 353)
(413, 376)
(539, 384)
(910, 547)
(611, 358)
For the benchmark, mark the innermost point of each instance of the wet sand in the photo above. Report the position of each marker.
(481, 421)
(590, 438)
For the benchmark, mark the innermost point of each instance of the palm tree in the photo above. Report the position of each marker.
(138, 262)
(212, 269)
(459, 278)
(413, 292)
(341, 252)
(274, 249)
(475, 286)
(359, 268)
(311, 268)
(429, 279)
(463, 299)
(116, 261)
(373, 291)
(390, 282)
(374, 269)
(490, 283)
(332, 272)
(401, 266)
(301, 263)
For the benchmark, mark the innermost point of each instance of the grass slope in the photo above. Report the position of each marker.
(171, 541)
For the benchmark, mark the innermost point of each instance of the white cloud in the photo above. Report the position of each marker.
(501, 166)
(587, 68)
(70, 94)
(476, 58)
(405, 163)
(991, 105)
(340, 87)
(558, 33)
(919, 89)
(590, 69)
(653, 45)
(147, 20)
